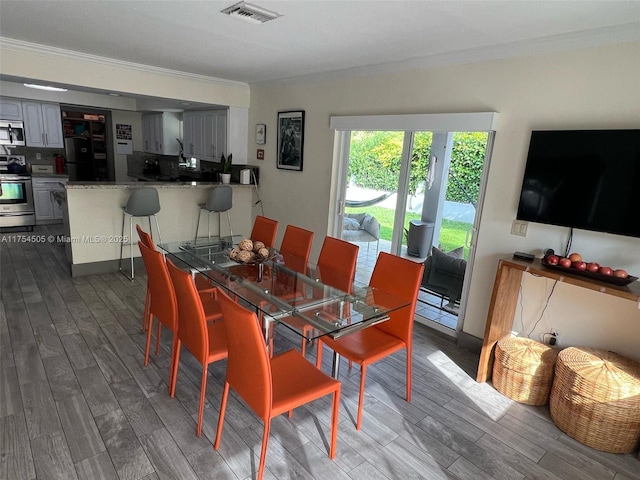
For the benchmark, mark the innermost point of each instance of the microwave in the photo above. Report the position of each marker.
(12, 133)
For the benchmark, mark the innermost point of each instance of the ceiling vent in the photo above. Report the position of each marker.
(250, 13)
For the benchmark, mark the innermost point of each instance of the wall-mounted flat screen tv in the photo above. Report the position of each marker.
(586, 179)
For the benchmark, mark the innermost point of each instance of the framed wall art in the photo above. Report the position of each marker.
(261, 133)
(290, 140)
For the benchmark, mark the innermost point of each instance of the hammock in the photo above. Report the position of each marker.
(367, 203)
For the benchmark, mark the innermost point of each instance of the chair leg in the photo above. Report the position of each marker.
(155, 217)
(147, 306)
(409, 374)
(131, 245)
(203, 390)
(334, 423)
(175, 361)
(174, 352)
(197, 225)
(319, 355)
(263, 451)
(148, 345)
(223, 409)
(230, 229)
(130, 277)
(363, 375)
(158, 335)
(121, 243)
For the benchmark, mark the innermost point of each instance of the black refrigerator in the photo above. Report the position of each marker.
(79, 159)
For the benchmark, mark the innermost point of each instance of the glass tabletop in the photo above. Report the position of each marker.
(287, 289)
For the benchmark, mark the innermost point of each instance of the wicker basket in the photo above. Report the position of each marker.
(523, 370)
(596, 399)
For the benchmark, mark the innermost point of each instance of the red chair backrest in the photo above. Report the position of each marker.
(297, 242)
(145, 238)
(248, 367)
(265, 230)
(163, 298)
(400, 277)
(192, 322)
(337, 263)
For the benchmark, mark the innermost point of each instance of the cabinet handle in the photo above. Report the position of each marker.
(46, 139)
(43, 140)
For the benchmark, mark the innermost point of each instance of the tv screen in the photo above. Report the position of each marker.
(587, 179)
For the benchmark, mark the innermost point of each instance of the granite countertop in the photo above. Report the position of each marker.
(155, 184)
(50, 175)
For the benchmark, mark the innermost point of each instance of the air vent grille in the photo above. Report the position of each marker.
(250, 13)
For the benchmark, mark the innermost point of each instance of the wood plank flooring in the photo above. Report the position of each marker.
(77, 403)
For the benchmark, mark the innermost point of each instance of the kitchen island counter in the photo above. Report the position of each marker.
(154, 184)
(93, 218)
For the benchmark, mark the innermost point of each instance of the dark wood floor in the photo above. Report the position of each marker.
(76, 402)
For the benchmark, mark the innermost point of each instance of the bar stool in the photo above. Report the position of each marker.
(143, 202)
(220, 200)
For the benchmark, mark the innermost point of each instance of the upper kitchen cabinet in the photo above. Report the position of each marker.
(42, 125)
(10, 109)
(160, 133)
(193, 128)
(205, 134)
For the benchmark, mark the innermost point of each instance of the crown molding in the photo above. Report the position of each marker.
(19, 45)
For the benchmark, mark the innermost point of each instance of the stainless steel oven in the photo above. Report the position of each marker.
(16, 196)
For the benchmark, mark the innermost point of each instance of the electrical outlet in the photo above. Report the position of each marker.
(519, 227)
(38, 156)
(555, 331)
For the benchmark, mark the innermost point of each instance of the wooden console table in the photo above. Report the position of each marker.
(505, 298)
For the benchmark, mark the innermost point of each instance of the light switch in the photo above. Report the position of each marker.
(519, 228)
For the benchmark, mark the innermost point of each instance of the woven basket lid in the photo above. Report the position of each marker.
(525, 355)
(617, 377)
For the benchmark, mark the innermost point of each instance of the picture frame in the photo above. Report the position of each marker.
(261, 133)
(290, 140)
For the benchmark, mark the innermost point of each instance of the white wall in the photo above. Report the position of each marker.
(594, 88)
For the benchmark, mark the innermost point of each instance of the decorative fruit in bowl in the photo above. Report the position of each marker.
(575, 257)
(606, 271)
(593, 267)
(579, 265)
(564, 262)
(552, 259)
(620, 273)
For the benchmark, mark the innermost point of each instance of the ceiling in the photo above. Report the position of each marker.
(316, 38)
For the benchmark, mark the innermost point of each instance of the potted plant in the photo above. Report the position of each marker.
(225, 176)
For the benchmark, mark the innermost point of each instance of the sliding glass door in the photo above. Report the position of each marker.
(417, 188)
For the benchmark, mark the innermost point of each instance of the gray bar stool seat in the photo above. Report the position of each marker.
(220, 200)
(143, 202)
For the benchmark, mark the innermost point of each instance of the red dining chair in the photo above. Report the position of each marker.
(146, 240)
(207, 341)
(202, 283)
(336, 268)
(269, 386)
(295, 249)
(265, 230)
(161, 297)
(399, 277)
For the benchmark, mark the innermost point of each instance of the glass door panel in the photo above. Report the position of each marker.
(373, 173)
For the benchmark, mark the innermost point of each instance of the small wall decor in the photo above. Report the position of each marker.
(290, 140)
(261, 133)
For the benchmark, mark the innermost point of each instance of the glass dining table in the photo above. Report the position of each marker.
(286, 290)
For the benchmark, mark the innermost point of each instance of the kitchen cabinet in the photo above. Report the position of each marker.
(205, 134)
(193, 128)
(160, 133)
(215, 135)
(47, 207)
(10, 109)
(42, 125)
